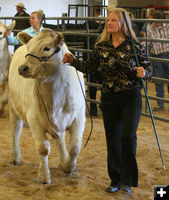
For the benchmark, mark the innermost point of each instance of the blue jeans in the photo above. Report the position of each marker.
(161, 70)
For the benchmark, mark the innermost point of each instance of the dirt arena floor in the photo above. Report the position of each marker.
(89, 180)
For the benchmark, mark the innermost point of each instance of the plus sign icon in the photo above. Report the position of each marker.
(161, 192)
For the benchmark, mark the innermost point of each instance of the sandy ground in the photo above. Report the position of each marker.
(89, 180)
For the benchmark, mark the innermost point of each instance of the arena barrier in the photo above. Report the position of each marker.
(86, 32)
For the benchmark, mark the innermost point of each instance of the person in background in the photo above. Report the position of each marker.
(135, 26)
(36, 27)
(121, 101)
(159, 50)
(97, 13)
(92, 91)
(21, 24)
(149, 15)
(43, 15)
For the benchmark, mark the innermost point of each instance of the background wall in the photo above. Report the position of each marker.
(138, 3)
(166, 2)
(57, 7)
(51, 8)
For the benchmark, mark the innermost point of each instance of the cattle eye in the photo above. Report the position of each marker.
(46, 49)
(0, 33)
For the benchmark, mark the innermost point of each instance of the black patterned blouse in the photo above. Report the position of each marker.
(115, 66)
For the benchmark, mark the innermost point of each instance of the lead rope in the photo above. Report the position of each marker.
(91, 119)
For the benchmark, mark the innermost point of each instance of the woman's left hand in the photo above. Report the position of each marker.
(140, 72)
(7, 33)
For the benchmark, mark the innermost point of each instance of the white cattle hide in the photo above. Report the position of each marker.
(47, 95)
(5, 59)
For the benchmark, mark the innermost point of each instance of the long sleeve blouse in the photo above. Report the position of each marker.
(14, 40)
(115, 67)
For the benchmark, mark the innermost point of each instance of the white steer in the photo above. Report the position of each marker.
(5, 59)
(48, 96)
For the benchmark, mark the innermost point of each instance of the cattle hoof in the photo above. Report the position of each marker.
(1, 111)
(15, 163)
(44, 182)
(67, 171)
(25, 125)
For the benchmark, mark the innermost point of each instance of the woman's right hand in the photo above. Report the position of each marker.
(68, 58)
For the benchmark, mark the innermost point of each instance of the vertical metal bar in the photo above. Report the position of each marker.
(151, 114)
(147, 54)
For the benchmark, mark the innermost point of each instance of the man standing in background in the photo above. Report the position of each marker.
(21, 24)
(159, 30)
(149, 15)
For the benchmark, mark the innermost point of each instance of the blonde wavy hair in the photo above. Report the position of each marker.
(105, 36)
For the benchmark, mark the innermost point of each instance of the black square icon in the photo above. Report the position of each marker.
(161, 192)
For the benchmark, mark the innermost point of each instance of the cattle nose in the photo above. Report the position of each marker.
(23, 69)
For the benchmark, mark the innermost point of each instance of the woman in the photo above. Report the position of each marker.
(121, 103)
(36, 27)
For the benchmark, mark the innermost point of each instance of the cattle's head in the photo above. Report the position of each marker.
(4, 29)
(43, 52)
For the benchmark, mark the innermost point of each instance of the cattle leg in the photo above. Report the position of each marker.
(61, 147)
(75, 142)
(4, 98)
(43, 146)
(16, 129)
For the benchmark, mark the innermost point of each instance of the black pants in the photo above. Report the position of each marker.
(121, 113)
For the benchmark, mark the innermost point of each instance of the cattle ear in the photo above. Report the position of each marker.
(23, 37)
(60, 39)
(11, 26)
